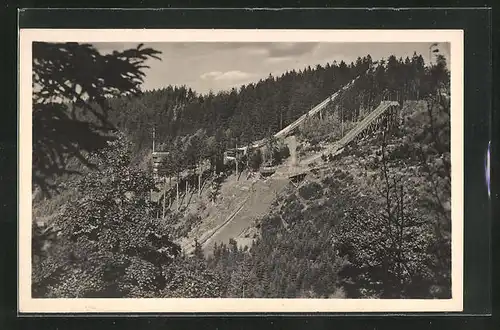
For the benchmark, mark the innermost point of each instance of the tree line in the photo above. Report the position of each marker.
(258, 110)
(108, 242)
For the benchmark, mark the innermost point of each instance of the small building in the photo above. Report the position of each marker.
(232, 154)
(159, 163)
(266, 171)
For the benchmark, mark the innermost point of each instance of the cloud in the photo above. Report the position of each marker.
(217, 66)
(287, 49)
(279, 60)
(109, 47)
(266, 49)
(257, 51)
(211, 75)
(234, 75)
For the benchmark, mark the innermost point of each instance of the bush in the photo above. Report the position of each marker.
(310, 190)
(284, 152)
(256, 159)
(388, 241)
(107, 239)
(185, 228)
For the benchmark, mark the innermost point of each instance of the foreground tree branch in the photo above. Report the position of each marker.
(72, 83)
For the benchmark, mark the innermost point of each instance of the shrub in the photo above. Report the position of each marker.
(185, 228)
(284, 152)
(310, 190)
(107, 235)
(255, 159)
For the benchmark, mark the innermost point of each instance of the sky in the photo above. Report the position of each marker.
(216, 66)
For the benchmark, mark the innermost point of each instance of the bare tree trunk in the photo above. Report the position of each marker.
(177, 192)
(199, 179)
(401, 226)
(170, 187)
(236, 161)
(164, 198)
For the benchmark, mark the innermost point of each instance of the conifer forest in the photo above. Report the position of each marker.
(352, 201)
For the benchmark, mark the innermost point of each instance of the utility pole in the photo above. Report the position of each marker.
(177, 184)
(236, 160)
(154, 139)
(151, 191)
(164, 196)
(430, 52)
(281, 118)
(200, 173)
(342, 121)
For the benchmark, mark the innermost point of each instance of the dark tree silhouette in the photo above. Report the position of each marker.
(72, 83)
(325, 239)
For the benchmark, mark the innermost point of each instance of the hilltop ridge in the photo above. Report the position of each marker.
(371, 220)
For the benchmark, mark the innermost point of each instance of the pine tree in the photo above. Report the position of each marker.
(70, 106)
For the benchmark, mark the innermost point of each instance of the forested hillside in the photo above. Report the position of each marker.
(374, 223)
(258, 110)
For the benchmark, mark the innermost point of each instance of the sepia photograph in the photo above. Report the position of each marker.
(315, 171)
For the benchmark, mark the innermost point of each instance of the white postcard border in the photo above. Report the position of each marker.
(27, 304)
